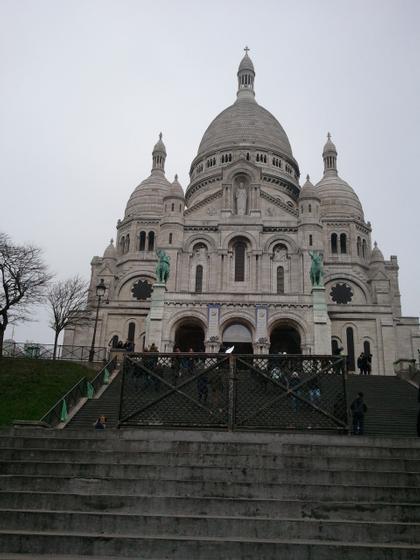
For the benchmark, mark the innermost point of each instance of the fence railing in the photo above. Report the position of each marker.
(83, 389)
(46, 352)
(236, 392)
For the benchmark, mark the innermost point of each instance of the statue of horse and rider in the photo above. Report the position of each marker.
(162, 267)
(316, 273)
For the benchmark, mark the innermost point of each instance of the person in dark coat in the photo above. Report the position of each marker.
(418, 414)
(358, 410)
(360, 363)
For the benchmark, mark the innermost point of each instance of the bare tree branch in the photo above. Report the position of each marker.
(23, 281)
(67, 301)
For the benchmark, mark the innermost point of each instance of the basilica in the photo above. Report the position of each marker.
(240, 242)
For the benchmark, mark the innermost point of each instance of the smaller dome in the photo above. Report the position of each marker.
(376, 255)
(147, 198)
(246, 64)
(338, 198)
(175, 190)
(329, 146)
(308, 190)
(110, 252)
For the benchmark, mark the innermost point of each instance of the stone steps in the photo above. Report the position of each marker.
(171, 459)
(221, 527)
(211, 474)
(163, 546)
(391, 401)
(141, 487)
(155, 494)
(107, 404)
(242, 507)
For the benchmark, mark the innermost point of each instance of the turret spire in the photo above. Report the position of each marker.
(159, 155)
(329, 155)
(246, 76)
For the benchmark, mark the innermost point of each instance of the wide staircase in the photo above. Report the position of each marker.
(156, 494)
(392, 404)
(391, 401)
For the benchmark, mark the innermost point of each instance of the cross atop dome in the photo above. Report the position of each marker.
(246, 49)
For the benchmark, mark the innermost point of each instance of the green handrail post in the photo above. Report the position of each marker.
(64, 414)
(90, 390)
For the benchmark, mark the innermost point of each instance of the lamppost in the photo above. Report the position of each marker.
(100, 292)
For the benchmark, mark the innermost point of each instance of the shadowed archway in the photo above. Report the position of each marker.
(285, 338)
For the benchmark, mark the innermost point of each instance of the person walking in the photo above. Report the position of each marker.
(294, 383)
(358, 410)
(360, 363)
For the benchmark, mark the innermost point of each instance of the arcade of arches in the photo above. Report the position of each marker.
(284, 338)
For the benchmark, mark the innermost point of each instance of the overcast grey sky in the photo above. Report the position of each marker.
(86, 86)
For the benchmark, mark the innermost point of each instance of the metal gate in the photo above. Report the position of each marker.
(235, 392)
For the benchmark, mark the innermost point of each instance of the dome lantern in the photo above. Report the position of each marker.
(329, 154)
(159, 155)
(246, 75)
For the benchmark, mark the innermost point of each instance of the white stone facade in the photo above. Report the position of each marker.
(239, 243)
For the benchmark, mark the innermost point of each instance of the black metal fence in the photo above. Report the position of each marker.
(46, 351)
(236, 392)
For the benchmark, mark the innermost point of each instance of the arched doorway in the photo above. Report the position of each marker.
(285, 338)
(190, 334)
(239, 336)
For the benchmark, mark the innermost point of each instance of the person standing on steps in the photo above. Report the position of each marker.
(360, 363)
(418, 414)
(358, 410)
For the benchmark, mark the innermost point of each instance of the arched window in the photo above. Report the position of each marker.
(364, 248)
(350, 348)
(343, 243)
(280, 280)
(173, 206)
(310, 240)
(127, 243)
(122, 244)
(131, 332)
(240, 249)
(142, 241)
(151, 241)
(309, 208)
(334, 243)
(199, 279)
(366, 347)
(359, 246)
(170, 239)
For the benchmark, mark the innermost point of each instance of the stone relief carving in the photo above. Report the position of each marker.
(241, 198)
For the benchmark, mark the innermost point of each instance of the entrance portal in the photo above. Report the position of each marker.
(190, 335)
(239, 336)
(285, 338)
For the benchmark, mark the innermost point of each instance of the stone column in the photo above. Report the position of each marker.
(322, 323)
(154, 320)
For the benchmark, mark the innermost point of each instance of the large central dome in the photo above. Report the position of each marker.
(245, 123)
(244, 131)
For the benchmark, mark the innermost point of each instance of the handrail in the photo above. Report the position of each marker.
(110, 366)
(55, 415)
(59, 412)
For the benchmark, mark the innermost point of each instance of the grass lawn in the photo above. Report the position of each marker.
(29, 388)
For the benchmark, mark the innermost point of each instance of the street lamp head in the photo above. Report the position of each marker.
(101, 288)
